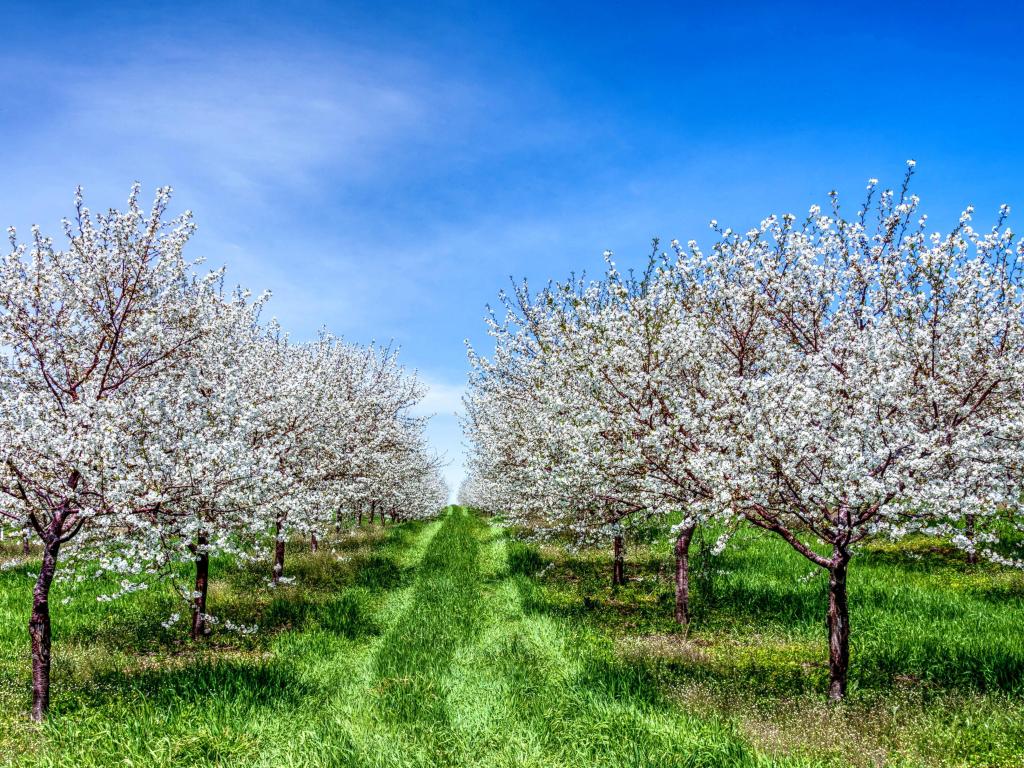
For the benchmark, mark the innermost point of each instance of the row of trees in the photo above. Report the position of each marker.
(149, 418)
(827, 381)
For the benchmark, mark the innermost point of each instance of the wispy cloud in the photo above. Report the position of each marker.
(251, 118)
(442, 398)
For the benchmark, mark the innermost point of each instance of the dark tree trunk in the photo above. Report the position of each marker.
(838, 626)
(972, 553)
(314, 544)
(360, 518)
(618, 561)
(25, 548)
(682, 551)
(278, 549)
(199, 626)
(39, 624)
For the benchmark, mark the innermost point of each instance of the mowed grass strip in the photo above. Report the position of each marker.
(413, 662)
(533, 689)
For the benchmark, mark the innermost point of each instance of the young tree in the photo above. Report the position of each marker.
(611, 370)
(201, 446)
(889, 367)
(93, 337)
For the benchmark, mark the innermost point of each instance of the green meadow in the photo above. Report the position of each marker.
(450, 643)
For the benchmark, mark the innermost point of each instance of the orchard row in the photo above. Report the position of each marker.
(827, 380)
(149, 418)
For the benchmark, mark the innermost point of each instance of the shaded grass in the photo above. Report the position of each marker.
(937, 669)
(122, 682)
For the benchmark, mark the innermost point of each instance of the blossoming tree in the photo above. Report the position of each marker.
(93, 337)
(149, 419)
(827, 382)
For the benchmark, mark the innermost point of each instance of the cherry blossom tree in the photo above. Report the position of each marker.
(615, 388)
(149, 419)
(201, 446)
(93, 339)
(336, 428)
(886, 379)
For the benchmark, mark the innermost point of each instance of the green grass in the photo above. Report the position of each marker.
(937, 674)
(449, 644)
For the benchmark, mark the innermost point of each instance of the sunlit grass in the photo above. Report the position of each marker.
(450, 644)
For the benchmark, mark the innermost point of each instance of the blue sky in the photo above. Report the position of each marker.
(384, 170)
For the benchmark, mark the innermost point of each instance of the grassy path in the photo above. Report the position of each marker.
(431, 652)
(468, 675)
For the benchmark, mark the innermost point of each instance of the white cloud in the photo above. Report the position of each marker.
(253, 118)
(442, 398)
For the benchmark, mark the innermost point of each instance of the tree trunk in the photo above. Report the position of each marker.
(25, 548)
(199, 625)
(278, 549)
(682, 551)
(838, 626)
(618, 561)
(972, 554)
(39, 625)
(314, 545)
(360, 518)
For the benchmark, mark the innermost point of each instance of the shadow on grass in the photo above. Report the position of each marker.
(763, 630)
(579, 696)
(243, 682)
(335, 596)
(581, 590)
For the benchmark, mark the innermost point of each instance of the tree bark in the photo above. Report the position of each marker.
(199, 626)
(618, 561)
(682, 552)
(838, 626)
(25, 548)
(39, 623)
(278, 549)
(972, 554)
(314, 544)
